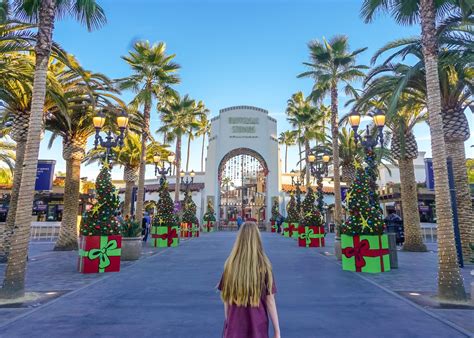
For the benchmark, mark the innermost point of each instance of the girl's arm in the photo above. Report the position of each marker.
(225, 310)
(272, 310)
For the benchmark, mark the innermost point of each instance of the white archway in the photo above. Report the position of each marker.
(243, 130)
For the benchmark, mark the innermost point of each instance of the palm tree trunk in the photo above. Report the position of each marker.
(411, 216)
(450, 281)
(202, 151)
(73, 154)
(307, 150)
(337, 178)
(10, 222)
(14, 281)
(189, 149)
(299, 149)
(335, 153)
(286, 157)
(130, 175)
(141, 173)
(177, 167)
(456, 151)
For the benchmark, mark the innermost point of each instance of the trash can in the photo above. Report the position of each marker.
(392, 249)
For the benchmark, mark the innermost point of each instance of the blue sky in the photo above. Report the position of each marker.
(232, 52)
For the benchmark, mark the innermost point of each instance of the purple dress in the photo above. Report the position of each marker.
(247, 321)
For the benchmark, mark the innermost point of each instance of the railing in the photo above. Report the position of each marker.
(44, 231)
(429, 232)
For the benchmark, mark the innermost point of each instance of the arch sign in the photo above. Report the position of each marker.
(242, 165)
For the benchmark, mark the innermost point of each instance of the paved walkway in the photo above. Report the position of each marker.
(172, 294)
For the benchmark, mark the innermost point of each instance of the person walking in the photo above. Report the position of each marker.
(146, 226)
(248, 288)
(239, 222)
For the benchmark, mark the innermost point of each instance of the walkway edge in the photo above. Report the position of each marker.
(28, 313)
(396, 295)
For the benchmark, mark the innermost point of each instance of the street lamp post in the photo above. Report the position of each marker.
(318, 169)
(369, 142)
(161, 170)
(110, 140)
(188, 181)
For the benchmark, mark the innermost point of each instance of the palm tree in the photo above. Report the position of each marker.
(308, 121)
(450, 281)
(129, 156)
(203, 130)
(332, 63)
(84, 94)
(178, 114)
(349, 152)
(456, 78)
(44, 12)
(288, 138)
(194, 129)
(7, 155)
(153, 72)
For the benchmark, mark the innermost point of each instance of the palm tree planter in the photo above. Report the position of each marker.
(190, 221)
(131, 240)
(165, 228)
(364, 246)
(311, 230)
(100, 242)
(290, 227)
(99, 254)
(185, 229)
(209, 218)
(165, 236)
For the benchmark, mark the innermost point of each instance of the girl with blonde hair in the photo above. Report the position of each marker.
(247, 288)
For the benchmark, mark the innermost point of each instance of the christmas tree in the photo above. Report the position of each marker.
(100, 220)
(189, 209)
(365, 217)
(275, 211)
(165, 215)
(209, 216)
(311, 215)
(293, 215)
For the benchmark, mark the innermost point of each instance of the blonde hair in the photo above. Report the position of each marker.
(247, 270)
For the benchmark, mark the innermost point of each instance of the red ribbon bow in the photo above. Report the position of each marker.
(170, 235)
(362, 249)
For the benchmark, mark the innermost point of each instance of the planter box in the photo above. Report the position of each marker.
(131, 248)
(311, 236)
(208, 226)
(185, 230)
(195, 230)
(284, 227)
(164, 236)
(274, 226)
(365, 253)
(291, 230)
(98, 254)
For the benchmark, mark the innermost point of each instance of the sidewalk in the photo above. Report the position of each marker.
(171, 293)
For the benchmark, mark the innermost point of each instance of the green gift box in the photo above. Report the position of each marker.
(195, 230)
(291, 230)
(208, 226)
(284, 227)
(365, 253)
(164, 236)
